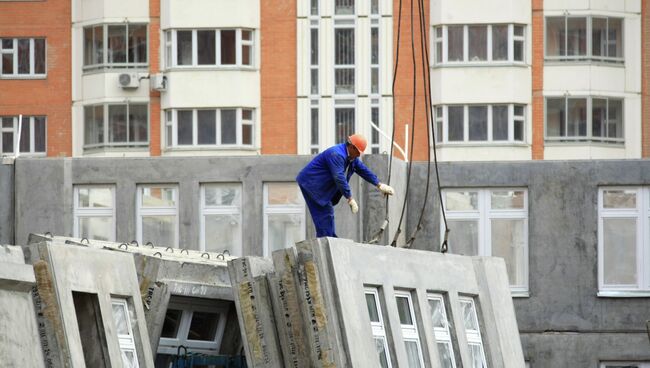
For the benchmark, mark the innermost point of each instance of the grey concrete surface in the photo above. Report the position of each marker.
(7, 204)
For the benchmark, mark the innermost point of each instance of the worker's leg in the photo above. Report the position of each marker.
(323, 217)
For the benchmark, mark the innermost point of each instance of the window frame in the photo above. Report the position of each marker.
(379, 328)
(589, 137)
(484, 214)
(410, 333)
(105, 49)
(236, 211)
(32, 137)
(345, 22)
(624, 364)
(106, 129)
(269, 209)
(473, 337)
(443, 335)
(589, 56)
(512, 118)
(641, 214)
(125, 342)
(443, 40)
(157, 211)
(88, 212)
(240, 43)
(32, 61)
(240, 122)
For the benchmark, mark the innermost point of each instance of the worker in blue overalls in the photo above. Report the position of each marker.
(325, 180)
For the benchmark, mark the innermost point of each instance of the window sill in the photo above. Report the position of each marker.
(483, 64)
(212, 148)
(623, 294)
(123, 150)
(482, 144)
(196, 68)
(116, 69)
(558, 143)
(520, 293)
(24, 77)
(555, 62)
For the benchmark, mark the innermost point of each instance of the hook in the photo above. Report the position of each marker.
(205, 254)
(86, 239)
(135, 242)
(226, 251)
(221, 255)
(186, 252)
(159, 254)
(168, 249)
(126, 246)
(150, 244)
(46, 234)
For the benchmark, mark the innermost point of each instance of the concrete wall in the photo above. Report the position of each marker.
(7, 205)
(563, 256)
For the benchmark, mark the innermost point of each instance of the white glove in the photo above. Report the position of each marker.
(386, 189)
(353, 205)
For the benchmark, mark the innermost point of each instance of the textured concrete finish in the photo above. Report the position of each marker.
(7, 203)
(65, 270)
(20, 343)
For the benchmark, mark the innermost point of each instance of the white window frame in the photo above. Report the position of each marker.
(106, 128)
(345, 22)
(344, 103)
(126, 342)
(284, 210)
(374, 145)
(410, 332)
(642, 216)
(473, 336)
(32, 62)
(378, 328)
(444, 40)
(188, 306)
(239, 44)
(314, 147)
(589, 119)
(444, 120)
(235, 210)
(157, 211)
(443, 335)
(32, 137)
(109, 65)
(195, 129)
(484, 214)
(588, 39)
(81, 212)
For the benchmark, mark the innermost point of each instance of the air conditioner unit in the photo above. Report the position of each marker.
(129, 80)
(158, 82)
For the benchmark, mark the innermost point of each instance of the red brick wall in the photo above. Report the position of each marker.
(154, 67)
(537, 120)
(404, 80)
(278, 77)
(51, 96)
(645, 78)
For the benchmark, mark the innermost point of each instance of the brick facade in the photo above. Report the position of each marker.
(645, 78)
(155, 142)
(537, 120)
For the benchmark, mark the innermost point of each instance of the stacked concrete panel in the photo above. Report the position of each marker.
(318, 296)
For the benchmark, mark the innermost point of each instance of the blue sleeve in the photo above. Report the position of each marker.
(364, 172)
(336, 165)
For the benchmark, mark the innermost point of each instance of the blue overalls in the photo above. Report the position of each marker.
(325, 180)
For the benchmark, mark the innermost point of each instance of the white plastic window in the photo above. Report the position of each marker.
(597, 118)
(22, 57)
(479, 44)
(623, 241)
(221, 218)
(491, 222)
(122, 319)
(284, 216)
(116, 125)
(210, 128)
(473, 332)
(115, 46)
(157, 215)
(94, 212)
(33, 135)
(441, 330)
(575, 38)
(497, 123)
(210, 48)
(378, 328)
(408, 323)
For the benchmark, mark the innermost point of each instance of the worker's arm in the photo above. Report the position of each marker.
(364, 172)
(336, 165)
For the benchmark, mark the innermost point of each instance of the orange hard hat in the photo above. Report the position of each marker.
(358, 141)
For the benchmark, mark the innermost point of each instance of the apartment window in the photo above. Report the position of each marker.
(374, 56)
(116, 125)
(472, 332)
(314, 60)
(344, 60)
(374, 117)
(491, 222)
(221, 218)
(227, 127)
(479, 43)
(195, 323)
(122, 318)
(315, 126)
(209, 48)
(284, 216)
(623, 241)
(115, 46)
(597, 119)
(90, 325)
(498, 123)
(378, 327)
(624, 365)
(94, 212)
(409, 329)
(22, 57)
(344, 7)
(442, 330)
(571, 38)
(157, 215)
(344, 119)
(32, 135)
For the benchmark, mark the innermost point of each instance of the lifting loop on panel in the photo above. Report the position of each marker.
(135, 242)
(221, 256)
(49, 233)
(150, 244)
(226, 251)
(126, 246)
(159, 254)
(168, 249)
(82, 241)
(206, 254)
(185, 250)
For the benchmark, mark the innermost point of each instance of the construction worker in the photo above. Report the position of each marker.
(325, 180)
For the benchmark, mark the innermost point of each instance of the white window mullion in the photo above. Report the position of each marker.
(465, 118)
(217, 40)
(465, 44)
(32, 68)
(238, 44)
(511, 43)
(445, 44)
(218, 120)
(490, 137)
(195, 127)
(489, 43)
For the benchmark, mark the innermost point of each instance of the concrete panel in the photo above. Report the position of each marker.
(566, 4)
(605, 5)
(467, 11)
(610, 79)
(212, 88)
(99, 87)
(519, 152)
(514, 83)
(560, 78)
(210, 14)
(632, 50)
(584, 152)
(121, 9)
(7, 204)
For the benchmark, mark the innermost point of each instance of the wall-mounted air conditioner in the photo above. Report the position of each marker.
(129, 80)
(158, 82)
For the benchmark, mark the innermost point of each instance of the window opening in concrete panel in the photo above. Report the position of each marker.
(472, 44)
(472, 328)
(284, 216)
(221, 218)
(157, 215)
(409, 328)
(378, 327)
(442, 330)
(94, 212)
(122, 318)
(91, 329)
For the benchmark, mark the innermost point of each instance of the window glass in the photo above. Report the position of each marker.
(598, 117)
(23, 56)
(380, 348)
(171, 324)
(576, 36)
(228, 126)
(284, 230)
(117, 44)
(463, 236)
(184, 47)
(477, 123)
(599, 36)
(117, 123)
(615, 118)
(184, 123)
(98, 228)
(344, 123)
(577, 117)
(615, 37)
(120, 315)
(456, 124)
(222, 195)
(499, 42)
(24, 145)
(413, 354)
(158, 197)
(284, 194)
(207, 126)
(160, 230)
(40, 134)
(477, 43)
(455, 43)
(508, 238)
(461, 201)
(615, 198)
(444, 351)
(344, 7)
(372, 307)
(555, 117)
(509, 199)
(403, 310)
(247, 48)
(203, 326)
(95, 197)
(206, 44)
(137, 43)
(138, 122)
(228, 50)
(223, 232)
(555, 36)
(499, 123)
(619, 245)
